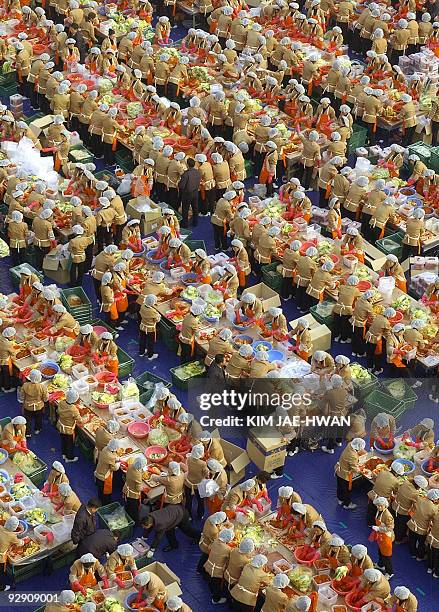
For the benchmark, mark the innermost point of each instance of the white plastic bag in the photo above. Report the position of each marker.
(207, 488)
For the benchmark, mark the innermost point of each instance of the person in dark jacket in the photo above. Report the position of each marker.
(81, 43)
(164, 522)
(189, 186)
(216, 380)
(99, 543)
(85, 523)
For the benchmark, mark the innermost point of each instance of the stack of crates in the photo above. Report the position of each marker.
(16, 103)
(391, 245)
(271, 277)
(144, 382)
(83, 311)
(15, 274)
(358, 138)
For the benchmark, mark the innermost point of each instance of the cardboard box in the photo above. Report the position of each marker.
(41, 124)
(134, 209)
(266, 448)
(150, 226)
(269, 297)
(320, 334)
(171, 580)
(237, 459)
(373, 257)
(57, 269)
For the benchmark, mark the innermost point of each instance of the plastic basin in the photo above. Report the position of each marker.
(383, 451)
(274, 355)
(105, 378)
(131, 598)
(364, 285)
(409, 463)
(239, 325)
(397, 318)
(4, 456)
(99, 330)
(49, 365)
(23, 528)
(245, 339)
(262, 343)
(139, 430)
(150, 256)
(189, 279)
(430, 463)
(345, 588)
(299, 554)
(152, 450)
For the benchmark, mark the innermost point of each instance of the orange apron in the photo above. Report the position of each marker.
(10, 450)
(88, 580)
(113, 366)
(108, 484)
(401, 284)
(384, 542)
(214, 504)
(113, 312)
(122, 304)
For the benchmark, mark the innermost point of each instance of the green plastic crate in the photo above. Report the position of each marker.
(168, 333)
(321, 318)
(33, 117)
(408, 399)
(358, 138)
(8, 78)
(126, 363)
(391, 245)
(85, 445)
(149, 377)
(126, 532)
(196, 244)
(88, 155)
(82, 312)
(271, 277)
(378, 401)
(20, 573)
(38, 475)
(363, 389)
(433, 162)
(15, 273)
(63, 557)
(8, 90)
(127, 166)
(422, 150)
(184, 384)
(249, 168)
(105, 175)
(4, 422)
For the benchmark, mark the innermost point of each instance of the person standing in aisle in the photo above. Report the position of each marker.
(68, 418)
(149, 317)
(384, 535)
(132, 490)
(254, 577)
(216, 564)
(43, 230)
(196, 472)
(189, 186)
(345, 469)
(419, 524)
(432, 542)
(311, 157)
(85, 523)
(189, 329)
(221, 218)
(7, 354)
(108, 463)
(18, 233)
(35, 396)
(78, 247)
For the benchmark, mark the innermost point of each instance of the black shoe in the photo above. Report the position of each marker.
(169, 548)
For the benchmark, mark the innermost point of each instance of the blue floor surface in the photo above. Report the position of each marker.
(310, 473)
